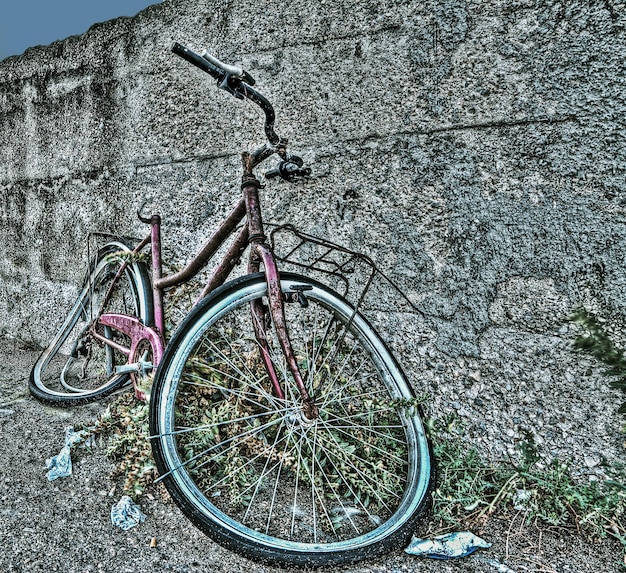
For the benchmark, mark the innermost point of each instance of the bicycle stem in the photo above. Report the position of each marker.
(250, 160)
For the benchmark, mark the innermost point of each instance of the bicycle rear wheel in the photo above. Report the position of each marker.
(76, 367)
(251, 470)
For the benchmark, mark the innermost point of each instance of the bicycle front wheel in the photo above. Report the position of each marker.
(76, 366)
(251, 469)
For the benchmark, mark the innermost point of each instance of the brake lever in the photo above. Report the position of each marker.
(289, 169)
(235, 71)
(233, 77)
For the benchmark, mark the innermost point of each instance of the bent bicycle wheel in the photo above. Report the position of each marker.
(251, 470)
(76, 367)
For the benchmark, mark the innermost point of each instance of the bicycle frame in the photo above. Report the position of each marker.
(261, 255)
(245, 456)
(252, 234)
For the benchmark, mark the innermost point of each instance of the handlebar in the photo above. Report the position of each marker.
(235, 81)
(238, 82)
(197, 60)
(234, 71)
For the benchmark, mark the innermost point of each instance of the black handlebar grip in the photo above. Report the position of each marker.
(198, 61)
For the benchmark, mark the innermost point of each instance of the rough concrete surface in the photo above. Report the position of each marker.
(475, 150)
(65, 525)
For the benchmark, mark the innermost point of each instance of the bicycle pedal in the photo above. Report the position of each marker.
(127, 368)
(134, 367)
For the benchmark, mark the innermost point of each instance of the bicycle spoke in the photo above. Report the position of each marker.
(267, 455)
(315, 356)
(212, 448)
(239, 469)
(245, 396)
(263, 473)
(276, 484)
(349, 488)
(214, 425)
(314, 458)
(368, 394)
(251, 379)
(382, 451)
(375, 486)
(336, 495)
(371, 431)
(277, 475)
(297, 447)
(329, 326)
(368, 414)
(330, 393)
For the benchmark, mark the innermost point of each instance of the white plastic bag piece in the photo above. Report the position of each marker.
(126, 514)
(61, 464)
(449, 546)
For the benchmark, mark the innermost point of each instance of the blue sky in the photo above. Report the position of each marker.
(26, 23)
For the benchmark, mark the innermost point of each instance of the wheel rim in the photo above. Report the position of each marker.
(253, 476)
(76, 364)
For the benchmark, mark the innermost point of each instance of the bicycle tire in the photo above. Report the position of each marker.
(222, 442)
(75, 367)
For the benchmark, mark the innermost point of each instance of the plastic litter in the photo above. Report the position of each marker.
(499, 567)
(449, 546)
(521, 497)
(61, 464)
(126, 514)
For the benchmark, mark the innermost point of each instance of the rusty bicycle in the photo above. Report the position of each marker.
(280, 422)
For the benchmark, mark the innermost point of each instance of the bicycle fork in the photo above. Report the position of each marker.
(262, 253)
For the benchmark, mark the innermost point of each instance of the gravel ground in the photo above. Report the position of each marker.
(65, 526)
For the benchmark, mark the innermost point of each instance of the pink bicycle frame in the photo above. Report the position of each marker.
(251, 234)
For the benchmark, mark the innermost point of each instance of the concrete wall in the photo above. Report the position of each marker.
(476, 150)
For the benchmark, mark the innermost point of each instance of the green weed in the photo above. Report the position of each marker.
(596, 341)
(124, 429)
(470, 489)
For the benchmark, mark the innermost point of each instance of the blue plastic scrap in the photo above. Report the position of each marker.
(449, 546)
(61, 464)
(126, 514)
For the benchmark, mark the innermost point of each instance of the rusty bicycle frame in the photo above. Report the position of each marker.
(251, 235)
